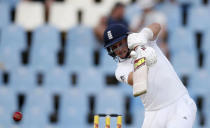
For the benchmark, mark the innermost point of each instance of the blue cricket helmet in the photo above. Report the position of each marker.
(114, 33)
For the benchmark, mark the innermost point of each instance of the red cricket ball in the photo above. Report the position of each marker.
(17, 116)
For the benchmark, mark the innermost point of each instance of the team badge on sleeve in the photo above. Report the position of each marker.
(122, 78)
(139, 62)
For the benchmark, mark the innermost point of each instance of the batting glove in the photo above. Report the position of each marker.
(147, 52)
(139, 39)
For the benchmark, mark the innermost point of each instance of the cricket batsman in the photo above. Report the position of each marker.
(166, 101)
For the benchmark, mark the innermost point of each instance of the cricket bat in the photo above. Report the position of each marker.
(139, 76)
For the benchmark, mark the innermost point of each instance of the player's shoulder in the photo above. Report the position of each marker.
(124, 66)
(123, 69)
(124, 62)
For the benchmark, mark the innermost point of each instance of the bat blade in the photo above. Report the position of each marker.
(140, 77)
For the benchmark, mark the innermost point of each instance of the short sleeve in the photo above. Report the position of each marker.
(123, 70)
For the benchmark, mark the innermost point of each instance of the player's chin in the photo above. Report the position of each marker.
(123, 56)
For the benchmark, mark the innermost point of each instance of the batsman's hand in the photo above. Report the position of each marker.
(147, 52)
(136, 39)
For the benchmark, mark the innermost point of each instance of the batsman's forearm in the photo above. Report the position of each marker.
(155, 27)
(130, 79)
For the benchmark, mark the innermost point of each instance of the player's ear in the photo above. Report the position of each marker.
(110, 52)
